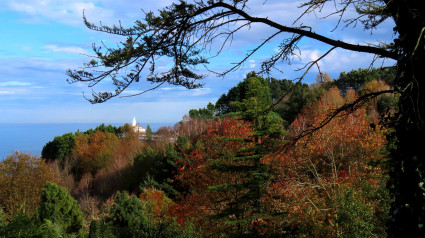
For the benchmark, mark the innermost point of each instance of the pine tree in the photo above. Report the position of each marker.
(243, 211)
(58, 206)
(148, 133)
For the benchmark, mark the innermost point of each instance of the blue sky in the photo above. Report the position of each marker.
(41, 39)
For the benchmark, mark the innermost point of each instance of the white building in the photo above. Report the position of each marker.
(137, 127)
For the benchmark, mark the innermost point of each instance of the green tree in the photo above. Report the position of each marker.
(19, 226)
(289, 98)
(108, 128)
(184, 31)
(58, 216)
(59, 207)
(203, 113)
(161, 174)
(148, 133)
(133, 217)
(355, 79)
(59, 148)
(255, 105)
(255, 99)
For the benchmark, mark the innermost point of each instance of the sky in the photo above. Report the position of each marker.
(41, 39)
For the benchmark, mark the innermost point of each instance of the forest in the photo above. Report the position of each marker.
(271, 157)
(230, 169)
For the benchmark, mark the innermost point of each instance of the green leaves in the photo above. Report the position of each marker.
(59, 207)
(133, 217)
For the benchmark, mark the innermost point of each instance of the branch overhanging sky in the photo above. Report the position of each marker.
(41, 39)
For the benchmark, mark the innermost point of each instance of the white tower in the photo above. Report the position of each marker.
(134, 121)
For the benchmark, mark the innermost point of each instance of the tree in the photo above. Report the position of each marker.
(162, 172)
(204, 113)
(22, 177)
(59, 148)
(184, 31)
(130, 216)
(289, 98)
(330, 183)
(59, 207)
(216, 180)
(148, 133)
(93, 152)
(355, 79)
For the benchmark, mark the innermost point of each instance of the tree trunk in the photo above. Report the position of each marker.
(407, 174)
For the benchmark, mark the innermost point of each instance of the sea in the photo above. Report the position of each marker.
(31, 137)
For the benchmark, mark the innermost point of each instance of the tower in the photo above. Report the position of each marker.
(134, 121)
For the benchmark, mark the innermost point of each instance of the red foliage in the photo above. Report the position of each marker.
(311, 175)
(223, 137)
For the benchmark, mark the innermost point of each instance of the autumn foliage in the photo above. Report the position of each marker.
(222, 139)
(240, 174)
(327, 183)
(22, 177)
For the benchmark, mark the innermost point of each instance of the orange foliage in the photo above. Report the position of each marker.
(94, 151)
(216, 142)
(374, 86)
(161, 204)
(371, 87)
(313, 174)
(105, 150)
(222, 138)
(102, 157)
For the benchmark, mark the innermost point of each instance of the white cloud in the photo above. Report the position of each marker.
(6, 92)
(130, 92)
(14, 83)
(67, 49)
(64, 11)
(196, 92)
(71, 12)
(339, 60)
(201, 91)
(15, 91)
(252, 64)
(169, 88)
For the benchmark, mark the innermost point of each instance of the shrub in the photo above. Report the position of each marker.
(58, 206)
(133, 217)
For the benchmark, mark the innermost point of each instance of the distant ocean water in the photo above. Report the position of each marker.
(30, 138)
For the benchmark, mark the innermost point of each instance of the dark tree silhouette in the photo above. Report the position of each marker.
(185, 33)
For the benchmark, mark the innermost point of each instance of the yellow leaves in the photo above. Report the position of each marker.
(22, 177)
(104, 150)
(350, 96)
(374, 86)
(333, 98)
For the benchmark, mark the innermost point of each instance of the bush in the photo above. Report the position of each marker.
(21, 225)
(133, 217)
(59, 207)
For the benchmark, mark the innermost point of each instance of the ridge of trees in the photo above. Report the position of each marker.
(224, 175)
(184, 31)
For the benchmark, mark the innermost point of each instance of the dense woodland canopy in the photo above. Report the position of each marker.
(216, 173)
(272, 158)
